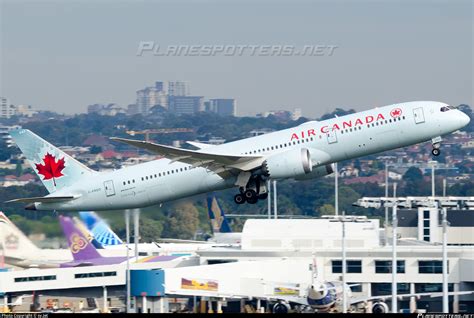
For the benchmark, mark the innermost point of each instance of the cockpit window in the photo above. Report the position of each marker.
(444, 109)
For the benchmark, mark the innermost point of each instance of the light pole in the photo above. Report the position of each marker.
(344, 266)
(445, 260)
(343, 219)
(386, 207)
(336, 190)
(444, 187)
(275, 199)
(127, 234)
(394, 257)
(433, 164)
(269, 185)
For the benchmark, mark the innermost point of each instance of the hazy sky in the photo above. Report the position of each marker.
(63, 55)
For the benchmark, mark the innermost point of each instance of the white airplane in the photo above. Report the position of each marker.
(303, 152)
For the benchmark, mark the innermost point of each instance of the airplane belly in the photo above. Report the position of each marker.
(388, 139)
(159, 193)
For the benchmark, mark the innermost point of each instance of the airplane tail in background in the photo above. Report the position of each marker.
(79, 246)
(14, 242)
(55, 168)
(216, 215)
(100, 229)
(90, 237)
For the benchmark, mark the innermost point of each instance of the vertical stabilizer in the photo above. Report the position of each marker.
(16, 244)
(79, 246)
(217, 217)
(100, 229)
(54, 167)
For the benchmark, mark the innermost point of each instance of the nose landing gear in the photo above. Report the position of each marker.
(436, 146)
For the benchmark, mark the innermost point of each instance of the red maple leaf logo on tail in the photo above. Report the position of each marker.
(51, 168)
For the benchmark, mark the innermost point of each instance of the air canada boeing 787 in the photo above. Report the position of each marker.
(303, 152)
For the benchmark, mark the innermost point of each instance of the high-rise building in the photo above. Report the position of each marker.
(6, 109)
(149, 97)
(178, 88)
(161, 86)
(222, 106)
(186, 104)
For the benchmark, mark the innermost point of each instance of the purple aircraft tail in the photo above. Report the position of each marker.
(80, 247)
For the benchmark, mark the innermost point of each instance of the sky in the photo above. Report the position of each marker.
(65, 55)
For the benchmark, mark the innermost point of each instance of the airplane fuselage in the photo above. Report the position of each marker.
(332, 140)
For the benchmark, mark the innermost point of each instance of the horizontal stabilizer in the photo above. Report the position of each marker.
(43, 199)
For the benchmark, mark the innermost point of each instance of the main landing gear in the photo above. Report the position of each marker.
(436, 146)
(254, 191)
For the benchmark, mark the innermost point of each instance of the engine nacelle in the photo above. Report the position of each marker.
(289, 164)
(380, 308)
(281, 307)
(317, 172)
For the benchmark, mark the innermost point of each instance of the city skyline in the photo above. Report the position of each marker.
(62, 57)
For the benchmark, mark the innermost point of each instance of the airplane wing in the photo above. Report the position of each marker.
(401, 296)
(43, 199)
(199, 145)
(215, 162)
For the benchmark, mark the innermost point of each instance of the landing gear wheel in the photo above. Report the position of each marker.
(263, 196)
(239, 199)
(436, 152)
(251, 196)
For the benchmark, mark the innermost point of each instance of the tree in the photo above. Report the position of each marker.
(150, 229)
(413, 174)
(182, 222)
(327, 209)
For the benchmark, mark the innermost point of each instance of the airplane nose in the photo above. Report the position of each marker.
(464, 119)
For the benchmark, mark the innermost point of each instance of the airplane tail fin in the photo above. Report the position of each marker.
(90, 237)
(217, 217)
(79, 246)
(100, 229)
(14, 242)
(54, 167)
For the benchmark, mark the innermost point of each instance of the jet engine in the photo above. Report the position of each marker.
(380, 308)
(289, 164)
(281, 307)
(317, 172)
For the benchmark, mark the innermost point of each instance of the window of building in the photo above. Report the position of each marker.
(34, 278)
(352, 266)
(385, 267)
(431, 267)
(379, 289)
(431, 287)
(355, 287)
(95, 274)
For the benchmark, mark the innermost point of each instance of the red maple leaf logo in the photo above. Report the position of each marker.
(51, 168)
(396, 112)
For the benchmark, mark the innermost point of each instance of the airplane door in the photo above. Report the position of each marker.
(109, 188)
(332, 137)
(419, 115)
